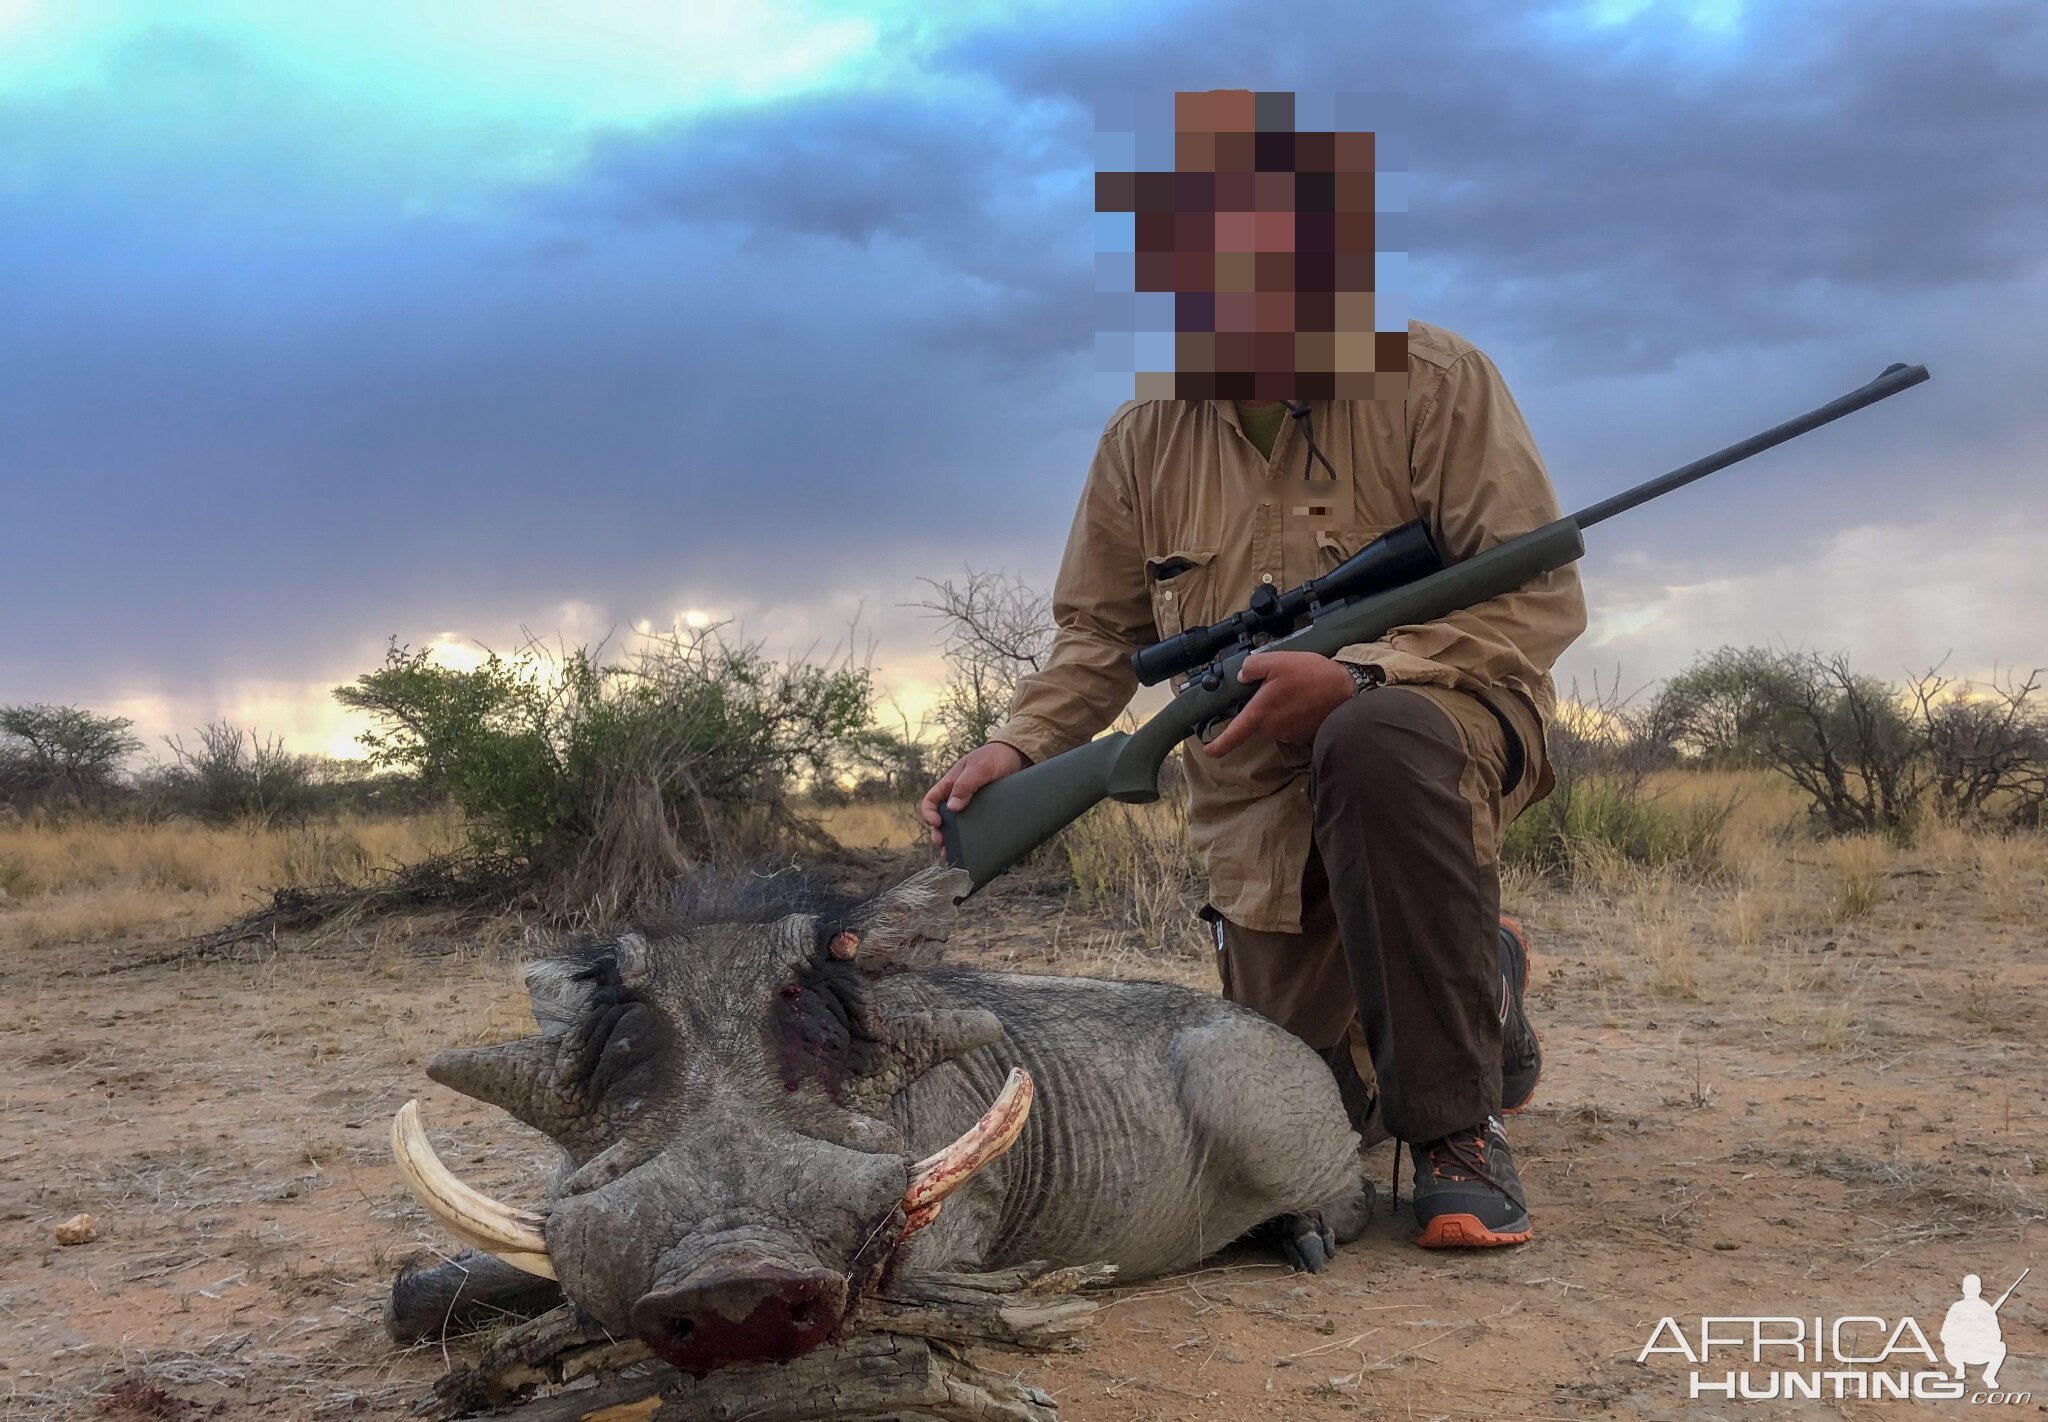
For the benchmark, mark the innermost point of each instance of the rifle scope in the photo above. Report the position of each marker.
(1388, 561)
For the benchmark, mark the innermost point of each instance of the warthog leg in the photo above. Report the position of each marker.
(434, 1298)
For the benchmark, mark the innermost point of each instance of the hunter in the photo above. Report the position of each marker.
(1350, 816)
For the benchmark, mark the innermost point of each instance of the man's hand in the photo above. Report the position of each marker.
(1301, 689)
(956, 787)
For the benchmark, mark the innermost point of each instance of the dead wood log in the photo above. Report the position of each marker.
(558, 1347)
(1027, 1309)
(877, 1377)
(904, 1361)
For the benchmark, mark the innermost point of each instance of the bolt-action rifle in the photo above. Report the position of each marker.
(1395, 581)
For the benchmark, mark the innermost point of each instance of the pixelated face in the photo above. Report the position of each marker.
(1265, 239)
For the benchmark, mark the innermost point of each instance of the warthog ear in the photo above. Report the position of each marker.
(920, 909)
(565, 990)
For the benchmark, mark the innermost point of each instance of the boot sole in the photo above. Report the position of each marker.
(1517, 1109)
(1466, 1232)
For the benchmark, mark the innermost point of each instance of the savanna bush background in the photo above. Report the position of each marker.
(571, 782)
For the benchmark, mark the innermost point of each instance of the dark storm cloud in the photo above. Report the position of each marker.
(1671, 234)
(1637, 209)
(998, 195)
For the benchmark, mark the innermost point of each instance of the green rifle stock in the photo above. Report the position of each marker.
(1008, 819)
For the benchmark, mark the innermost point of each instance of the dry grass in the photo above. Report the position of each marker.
(1660, 922)
(1133, 864)
(1984, 999)
(1767, 807)
(1744, 924)
(87, 880)
(2011, 874)
(1859, 868)
(1948, 1201)
(1779, 876)
(1798, 931)
(1756, 931)
(1749, 938)
(870, 824)
(2005, 874)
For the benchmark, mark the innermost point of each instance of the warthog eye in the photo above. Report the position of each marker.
(616, 1033)
(821, 1027)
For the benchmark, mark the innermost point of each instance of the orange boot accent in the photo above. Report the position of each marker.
(1466, 1232)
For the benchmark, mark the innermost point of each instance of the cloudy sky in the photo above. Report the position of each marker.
(325, 324)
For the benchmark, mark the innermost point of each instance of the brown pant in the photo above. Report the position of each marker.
(1395, 975)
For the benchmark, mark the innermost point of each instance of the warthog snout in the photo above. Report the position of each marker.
(738, 1307)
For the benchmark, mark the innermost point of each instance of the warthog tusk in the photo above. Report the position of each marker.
(935, 1177)
(470, 1215)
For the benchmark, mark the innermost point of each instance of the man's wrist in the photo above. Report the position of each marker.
(1364, 676)
(1030, 739)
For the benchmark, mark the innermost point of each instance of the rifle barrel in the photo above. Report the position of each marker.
(1894, 379)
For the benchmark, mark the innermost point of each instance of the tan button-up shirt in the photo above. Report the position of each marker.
(1181, 518)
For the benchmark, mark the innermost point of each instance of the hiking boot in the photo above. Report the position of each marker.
(1521, 1055)
(1466, 1191)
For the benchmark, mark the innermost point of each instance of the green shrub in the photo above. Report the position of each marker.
(606, 780)
(233, 776)
(1872, 756)
(1596, 820)
(61, 756)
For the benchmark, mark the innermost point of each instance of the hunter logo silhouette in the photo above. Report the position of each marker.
(1970, 1333)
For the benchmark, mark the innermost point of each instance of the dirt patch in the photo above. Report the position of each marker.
(1771, 1096)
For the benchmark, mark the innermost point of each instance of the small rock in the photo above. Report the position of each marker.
(79, 1229)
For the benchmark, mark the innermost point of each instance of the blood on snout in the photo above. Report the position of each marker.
(783, 1314)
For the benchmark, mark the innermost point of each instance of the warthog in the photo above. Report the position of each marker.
(760, 1117)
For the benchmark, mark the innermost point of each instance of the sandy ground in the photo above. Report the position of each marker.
(1765, 1107)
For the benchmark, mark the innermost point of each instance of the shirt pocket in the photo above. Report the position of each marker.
(1180, 582)
(1336, 542)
